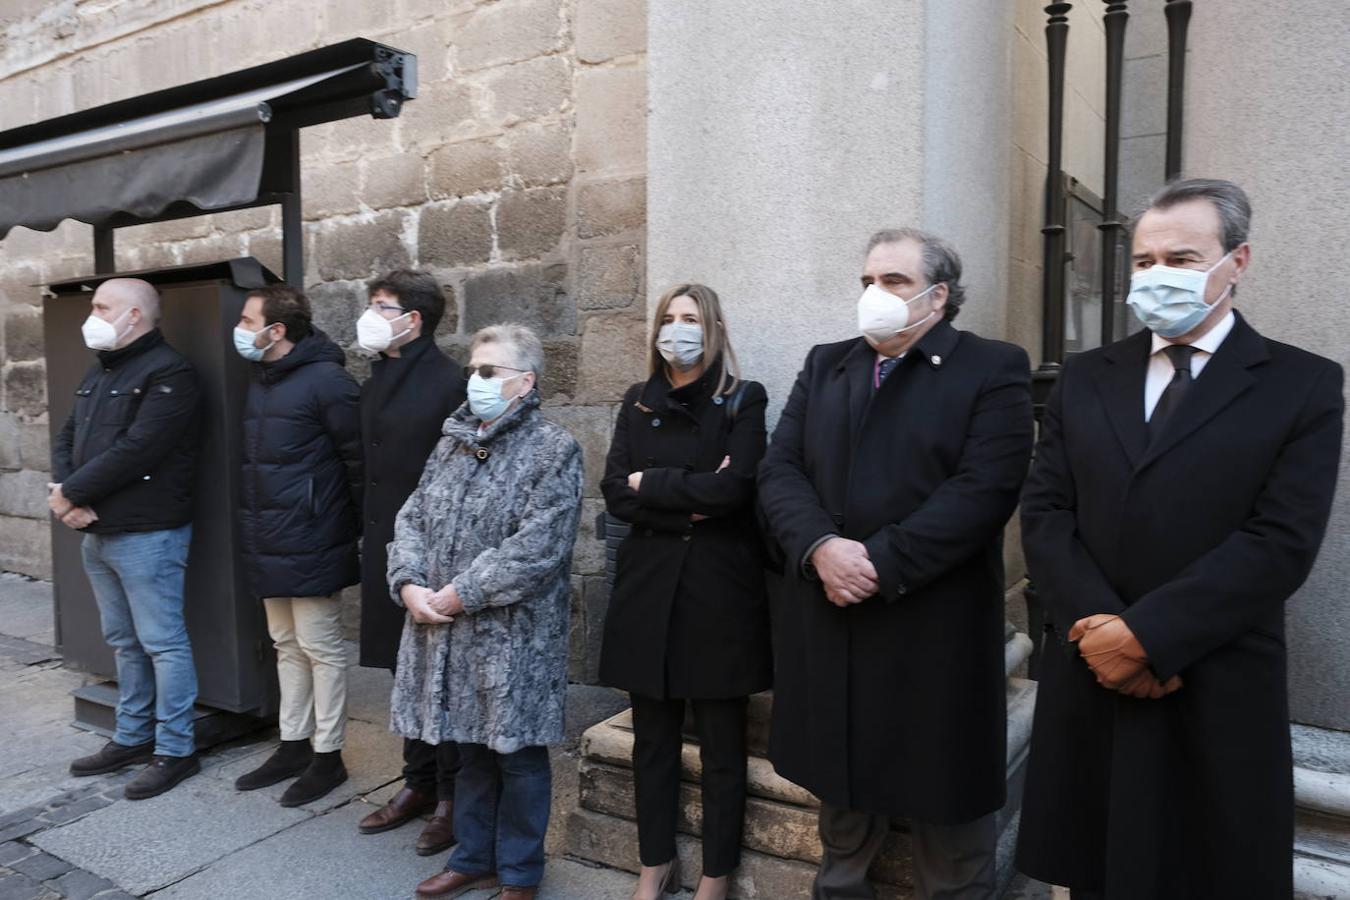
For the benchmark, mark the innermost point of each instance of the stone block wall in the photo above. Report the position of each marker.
(518, 177)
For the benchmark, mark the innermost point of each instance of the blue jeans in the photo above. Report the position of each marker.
(501, 812)
(138, 583)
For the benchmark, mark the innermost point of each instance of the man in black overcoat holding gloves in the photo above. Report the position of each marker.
(896, 463)
(412, 389)
(1181, 489)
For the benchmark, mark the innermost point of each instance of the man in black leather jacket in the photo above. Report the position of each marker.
(124, 466)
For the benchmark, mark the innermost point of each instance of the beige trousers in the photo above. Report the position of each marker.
(311, 669)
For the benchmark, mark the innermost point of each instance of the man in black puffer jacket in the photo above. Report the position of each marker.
(300, 514)
(123, 468)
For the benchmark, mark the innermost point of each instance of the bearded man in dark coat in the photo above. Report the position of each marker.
(896, 463)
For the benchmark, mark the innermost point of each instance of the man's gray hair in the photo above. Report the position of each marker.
(527, 351)
(1229, 201)
(941, 262)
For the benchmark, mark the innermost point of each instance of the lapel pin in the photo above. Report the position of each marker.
(935, 360)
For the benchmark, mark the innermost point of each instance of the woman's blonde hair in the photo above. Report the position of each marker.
(716, 341)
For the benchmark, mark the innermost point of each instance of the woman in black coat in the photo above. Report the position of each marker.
(688, 617)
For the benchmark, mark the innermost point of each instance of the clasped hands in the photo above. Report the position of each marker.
(846, 571)
(1116, 657)
(69, 514)
(428, 607)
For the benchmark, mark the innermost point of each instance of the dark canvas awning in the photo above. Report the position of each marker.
(204, 145)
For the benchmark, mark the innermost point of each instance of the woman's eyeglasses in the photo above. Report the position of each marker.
(488, 370)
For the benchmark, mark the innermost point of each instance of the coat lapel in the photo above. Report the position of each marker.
(388, 373)
(856, 369)
(1121, 386)
(1223, 380)
(937, 345)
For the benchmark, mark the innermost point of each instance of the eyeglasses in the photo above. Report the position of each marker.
(488, 370)
(386, 307)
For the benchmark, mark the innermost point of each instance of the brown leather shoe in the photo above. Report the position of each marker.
(439, 835)
(406, 805)
(518, 893)
(452, 884)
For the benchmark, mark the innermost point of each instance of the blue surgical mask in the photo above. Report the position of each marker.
(243, 342)
(1171, 301)
(485, 397)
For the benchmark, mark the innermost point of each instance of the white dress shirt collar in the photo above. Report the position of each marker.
(1209, 342)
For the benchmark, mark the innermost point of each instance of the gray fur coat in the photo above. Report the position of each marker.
(501, 529)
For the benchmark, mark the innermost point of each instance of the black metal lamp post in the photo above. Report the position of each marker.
(1111, 225)
(1178, 21)
(1052, 262)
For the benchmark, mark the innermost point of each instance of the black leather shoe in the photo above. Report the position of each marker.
(287, 761)
(112, 757)
(163, 773)
(324, 773)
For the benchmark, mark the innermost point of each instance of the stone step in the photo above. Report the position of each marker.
(1327, 793)
(1016, 651)
(612, 841)
(1318, 879)
(780, 819)
(1322, 837)
(1322, 794)
(1321, 770)
(611, 742)
(776, 829)
(782, 830)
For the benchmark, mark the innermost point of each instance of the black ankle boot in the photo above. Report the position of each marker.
(162, 774)
(324, 773)
(289, 760)
(112, 757)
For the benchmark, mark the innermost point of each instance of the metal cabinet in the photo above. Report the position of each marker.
(200, 307)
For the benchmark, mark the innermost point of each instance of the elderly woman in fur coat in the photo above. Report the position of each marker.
(481, 560)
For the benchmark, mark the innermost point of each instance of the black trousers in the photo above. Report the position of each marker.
(657, 726)
(431, 768)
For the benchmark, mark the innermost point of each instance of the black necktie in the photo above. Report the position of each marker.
(1172, 395)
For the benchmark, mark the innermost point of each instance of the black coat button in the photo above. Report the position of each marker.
(656, 423)
(718, 400)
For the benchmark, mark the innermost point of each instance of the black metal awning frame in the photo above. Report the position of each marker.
(352, 78)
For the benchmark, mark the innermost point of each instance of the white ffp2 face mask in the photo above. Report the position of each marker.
(375, 333)
(100, 334)
(882, 315)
